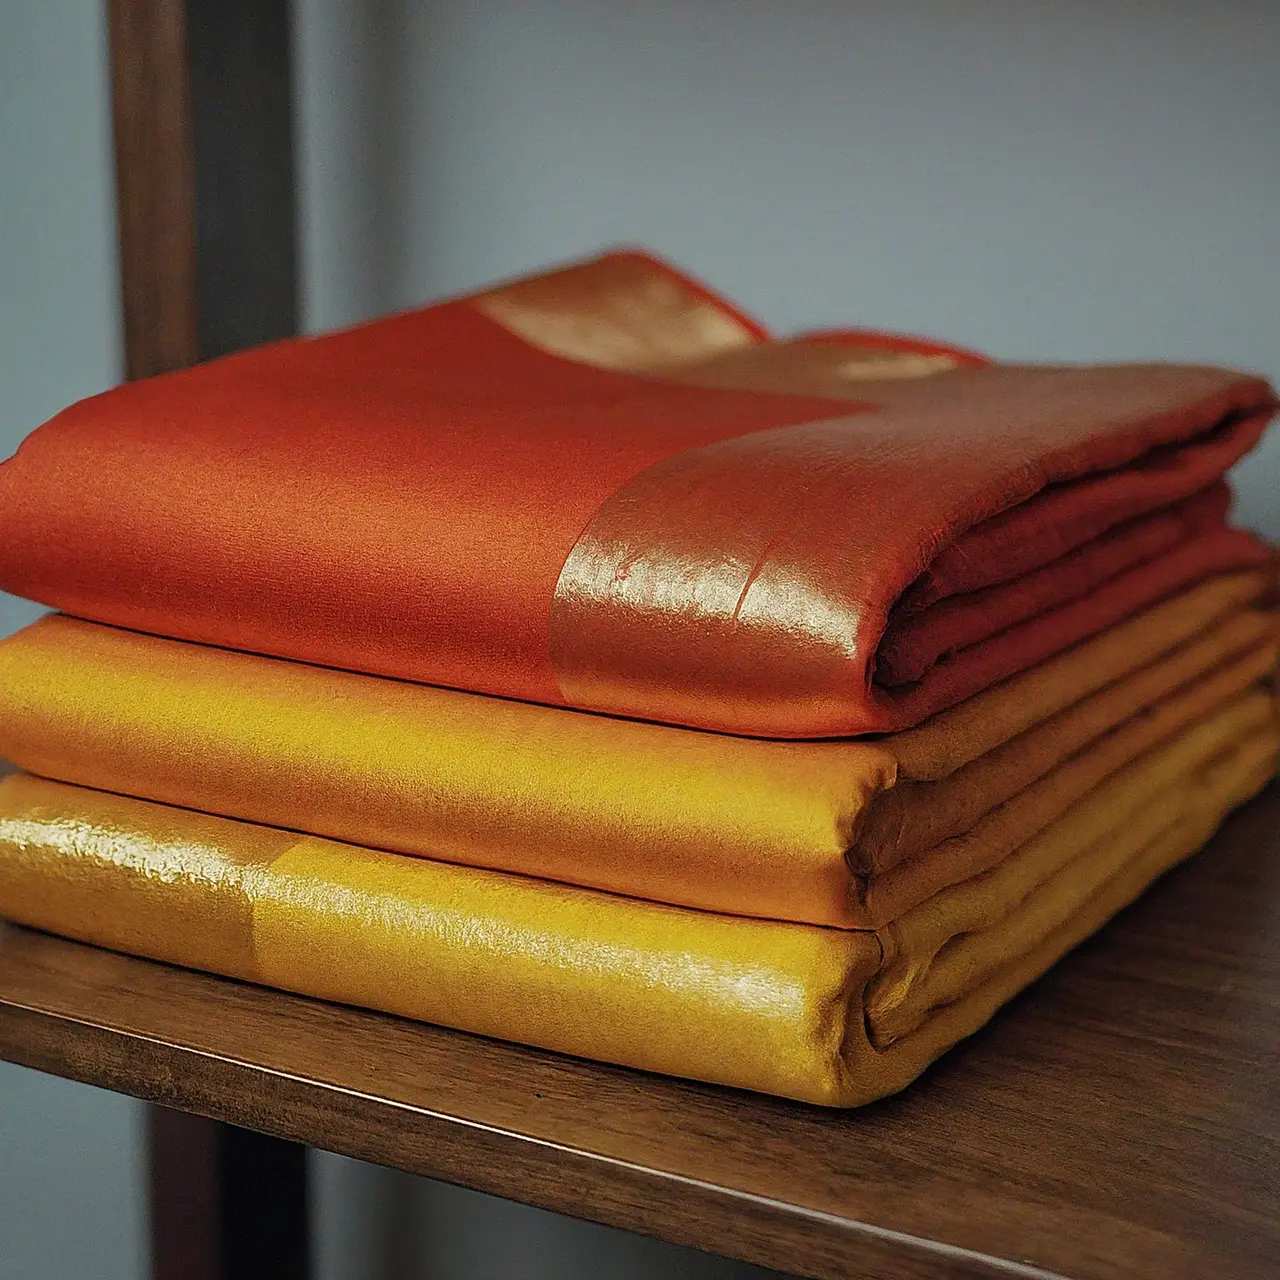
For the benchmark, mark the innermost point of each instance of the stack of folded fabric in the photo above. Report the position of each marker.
(576, 665)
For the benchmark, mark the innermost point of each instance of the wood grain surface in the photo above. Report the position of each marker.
(1121, 1118)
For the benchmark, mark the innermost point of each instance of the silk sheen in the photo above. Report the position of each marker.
(788, 1009)
(606, 488)
(844, 834)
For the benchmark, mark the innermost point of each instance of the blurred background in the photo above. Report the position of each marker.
(1066, 181)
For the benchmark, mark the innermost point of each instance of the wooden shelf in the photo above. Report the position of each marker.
(1121, 1118)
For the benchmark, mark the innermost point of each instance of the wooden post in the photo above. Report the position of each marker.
(155, 184)
(200, 95)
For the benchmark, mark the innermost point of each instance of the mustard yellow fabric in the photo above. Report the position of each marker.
(846, 834)
(789, 1009)
(1176, 720)
(751, 1003)
(938, 948)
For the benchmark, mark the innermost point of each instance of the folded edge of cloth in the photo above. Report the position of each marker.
(394, 499)
(1155, 829)
(789, 830)
(918, 639)
(1240, 776)
(1137, 709)
(779, 1008)
(1105, 829)
(964, 732)
(1166, 725)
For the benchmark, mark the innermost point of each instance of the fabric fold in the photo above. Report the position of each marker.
(1110, 765)
(779, 1008)
(938, 944)
(843, 834)
(606, 488)
(926, 634)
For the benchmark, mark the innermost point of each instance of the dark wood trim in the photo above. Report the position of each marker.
(226, 1203)
(201, 108)
(186, 1196)
(155, 184)
(242, 127)
(264, 1206)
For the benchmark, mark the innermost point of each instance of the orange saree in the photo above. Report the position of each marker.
(604, 488)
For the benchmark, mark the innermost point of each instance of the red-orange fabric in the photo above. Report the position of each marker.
(921, 636)
(407, 498)
(397, 499)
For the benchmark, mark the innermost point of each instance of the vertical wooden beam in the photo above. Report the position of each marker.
(201, 109)
(155, 184)
(226, 1203)
(185, 1170)
(264, 1207)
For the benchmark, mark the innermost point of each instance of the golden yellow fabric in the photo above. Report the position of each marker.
(790, 1009)
(569, 969)
(940, 946)
(619, 312)
(171, 888)
(736, 825)
(1176, 720)
(835, 367)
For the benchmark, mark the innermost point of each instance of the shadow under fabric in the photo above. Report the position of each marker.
(606, 488)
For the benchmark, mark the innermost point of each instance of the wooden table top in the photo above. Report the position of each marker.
(1121, 1118)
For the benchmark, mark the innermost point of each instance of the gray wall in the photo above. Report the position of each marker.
(71, 1180)
(59, 325)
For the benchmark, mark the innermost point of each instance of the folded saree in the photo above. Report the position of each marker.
(847, 834)
(831, 1016)
(605, 488)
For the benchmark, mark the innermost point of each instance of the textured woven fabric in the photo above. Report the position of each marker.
(605, 488)
(830, 1016)
(841, 833)
(848, 834)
